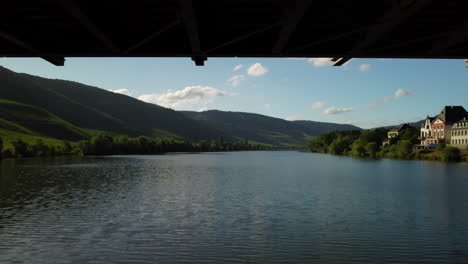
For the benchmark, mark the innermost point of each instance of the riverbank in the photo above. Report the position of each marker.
(106, 144)
(368, 144)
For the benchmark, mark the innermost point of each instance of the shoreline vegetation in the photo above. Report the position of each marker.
(105, 144)
(368, 144)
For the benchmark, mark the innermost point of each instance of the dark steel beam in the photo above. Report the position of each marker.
(339, 61)
(396, 16)
(191, 25)
(241, 38)
(57, 61)
(328, 39)
(454, 37)
(402, 44)
(234, 54)
(292, 18)
(84, 20)
(152, 36)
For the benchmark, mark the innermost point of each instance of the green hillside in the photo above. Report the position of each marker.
(98, 109)
(69, 110)
(265, 129)
(31, 120)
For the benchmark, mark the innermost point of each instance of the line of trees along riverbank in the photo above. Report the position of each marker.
(105, 144)
(368, 144)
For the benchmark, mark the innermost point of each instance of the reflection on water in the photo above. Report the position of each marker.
(262, 207)
(7, 176)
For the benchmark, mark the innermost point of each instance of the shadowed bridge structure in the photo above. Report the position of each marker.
(199, 29)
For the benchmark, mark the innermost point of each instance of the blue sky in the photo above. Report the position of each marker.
(364, 92)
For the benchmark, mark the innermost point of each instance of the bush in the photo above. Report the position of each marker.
(451, 154)
(441, 146)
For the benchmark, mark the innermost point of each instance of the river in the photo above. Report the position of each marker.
(258, 207)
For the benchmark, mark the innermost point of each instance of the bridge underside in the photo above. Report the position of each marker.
(198, 29)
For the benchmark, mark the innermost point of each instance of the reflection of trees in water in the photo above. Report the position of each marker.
(7, 176)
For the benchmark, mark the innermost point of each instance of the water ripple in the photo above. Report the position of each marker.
(259, 207)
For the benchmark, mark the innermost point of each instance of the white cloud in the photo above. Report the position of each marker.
(317, 105)
(186, 96)
(121, 91)
(334, 110)
(397, 95)
(235, 80)
(400, 93)
(320, 62)
(257, 69)
(238, 67)
(293, 117)
(203, 109)
(364, 67)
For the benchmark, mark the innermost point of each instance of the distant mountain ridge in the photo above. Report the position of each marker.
(416, 124)
(78, 108)
(266, 129)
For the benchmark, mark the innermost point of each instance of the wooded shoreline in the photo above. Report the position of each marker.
(369, 144)
(105, 144)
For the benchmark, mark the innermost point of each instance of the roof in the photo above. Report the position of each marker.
(464, 120)
(425, 120)
(339, 29)
(452, 114)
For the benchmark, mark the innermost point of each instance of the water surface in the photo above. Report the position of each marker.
(259, 207)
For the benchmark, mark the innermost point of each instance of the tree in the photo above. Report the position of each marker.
(372, 148)
(67, 147)
(409, 133)
(358, 149)
(20, 148)
(204, 145)
(403, 148)
(340, 146)
(145, 147)
(102, 144)
(221, 142)
(40, 149)
(451, 154)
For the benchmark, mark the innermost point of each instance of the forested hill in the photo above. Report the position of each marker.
(71, 111)
(98, 109)
(265, 129)
(318, 128)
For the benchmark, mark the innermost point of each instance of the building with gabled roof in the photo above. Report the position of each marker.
(442, 123)
(393, 133)
(426, 135)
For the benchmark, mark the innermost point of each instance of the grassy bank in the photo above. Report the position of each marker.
(18, 145)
